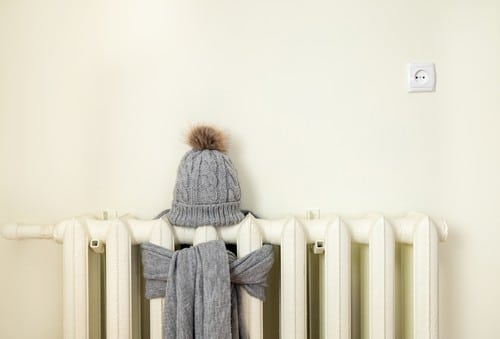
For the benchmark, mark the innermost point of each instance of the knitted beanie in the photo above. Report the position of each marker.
(207, 191)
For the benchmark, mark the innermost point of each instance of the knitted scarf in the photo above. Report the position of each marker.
(202, 285)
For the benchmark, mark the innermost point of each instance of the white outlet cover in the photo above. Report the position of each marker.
(421, 77)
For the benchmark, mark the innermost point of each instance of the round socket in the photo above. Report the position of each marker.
(421, 77)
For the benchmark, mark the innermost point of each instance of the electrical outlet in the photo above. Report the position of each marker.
(421, 77)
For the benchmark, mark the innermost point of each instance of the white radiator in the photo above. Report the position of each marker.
(332, 238)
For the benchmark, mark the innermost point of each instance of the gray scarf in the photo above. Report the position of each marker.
(202, 286)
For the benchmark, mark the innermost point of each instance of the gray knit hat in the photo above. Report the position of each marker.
(207, 191)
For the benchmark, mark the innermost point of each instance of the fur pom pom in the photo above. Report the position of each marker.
(206, 137)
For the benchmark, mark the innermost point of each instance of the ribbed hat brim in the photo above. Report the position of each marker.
(225, 214)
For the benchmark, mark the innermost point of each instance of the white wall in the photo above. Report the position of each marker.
(95, 97)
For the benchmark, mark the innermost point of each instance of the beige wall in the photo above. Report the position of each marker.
(95, 96)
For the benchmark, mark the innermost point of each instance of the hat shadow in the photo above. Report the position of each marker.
(248, 199)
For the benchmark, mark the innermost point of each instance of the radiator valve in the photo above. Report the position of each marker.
(319, 247)
(97, 245)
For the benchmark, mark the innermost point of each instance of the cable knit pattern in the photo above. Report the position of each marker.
(207, 191)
